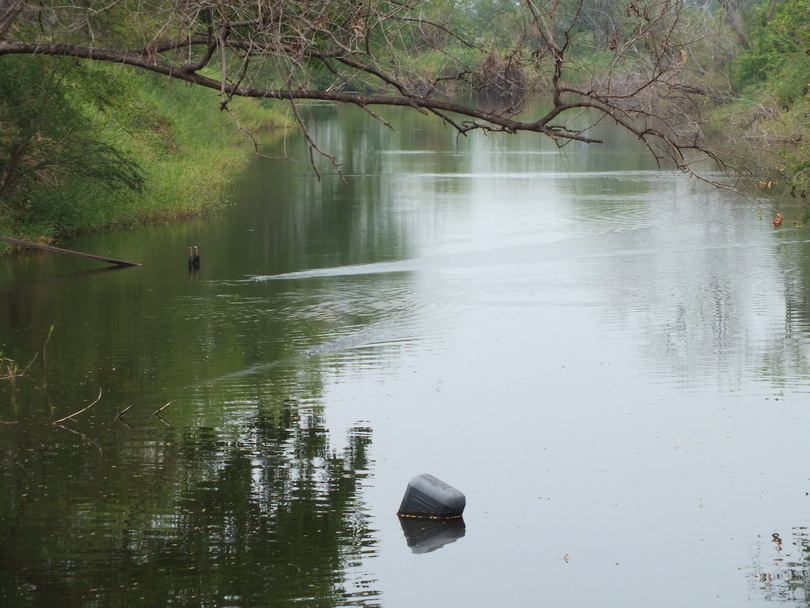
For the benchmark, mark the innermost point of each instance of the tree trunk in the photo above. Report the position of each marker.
(736, 24)
(771, 10)
(8, 13)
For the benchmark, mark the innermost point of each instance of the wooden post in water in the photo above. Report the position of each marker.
(194, 257)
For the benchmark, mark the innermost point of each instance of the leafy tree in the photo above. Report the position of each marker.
(780, 54)
(44, 139)
(776, 72)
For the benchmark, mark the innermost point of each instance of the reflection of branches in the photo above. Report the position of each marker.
(80, 434)
(277, 497)
(162, 419)
(785, 576)
(214, 499)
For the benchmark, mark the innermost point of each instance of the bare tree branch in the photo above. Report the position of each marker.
(84, 409)
(273, 50)
(9, 9)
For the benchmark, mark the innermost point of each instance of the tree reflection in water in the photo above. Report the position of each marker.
(263, 516)
(781, 571)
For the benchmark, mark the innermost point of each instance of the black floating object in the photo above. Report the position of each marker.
(431, 498)
(426, 535)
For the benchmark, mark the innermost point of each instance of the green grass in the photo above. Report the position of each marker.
(188, 151)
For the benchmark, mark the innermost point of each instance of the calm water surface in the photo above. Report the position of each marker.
(611, 362)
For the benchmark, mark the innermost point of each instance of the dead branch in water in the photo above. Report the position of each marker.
(156, 412)
(89, 256)
(84, 409)
(124, 411)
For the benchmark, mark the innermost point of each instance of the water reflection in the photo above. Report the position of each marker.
(612, 359)
(426, 535)
(265, 510)
(781, 569)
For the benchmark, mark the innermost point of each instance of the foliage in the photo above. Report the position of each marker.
(773, 78)
(74, 145)
(780, 57)
(45, 139)
(795, 148)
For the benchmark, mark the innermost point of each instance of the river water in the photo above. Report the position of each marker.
(610, 361)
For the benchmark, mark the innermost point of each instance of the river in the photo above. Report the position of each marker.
(610, 361)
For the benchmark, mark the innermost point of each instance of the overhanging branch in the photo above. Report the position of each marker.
(490, 121)
(374, 46)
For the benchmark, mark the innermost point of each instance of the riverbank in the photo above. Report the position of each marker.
(778, 135)
(181, 151)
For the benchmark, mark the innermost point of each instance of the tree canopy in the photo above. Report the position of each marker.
(359, 52)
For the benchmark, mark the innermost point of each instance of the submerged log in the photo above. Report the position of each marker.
(89, 256)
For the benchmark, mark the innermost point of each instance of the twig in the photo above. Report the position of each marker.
(156, 412)
(378, 117)
(11, 370)
(81, 410)
(22, 373)
(124, 411)
(313, 146)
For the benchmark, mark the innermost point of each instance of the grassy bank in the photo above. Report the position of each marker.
(770, 138)
(162, 150)
(771, 111)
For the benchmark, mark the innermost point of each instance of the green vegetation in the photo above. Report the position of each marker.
(89, 146)
(772, 85)
(778, 60)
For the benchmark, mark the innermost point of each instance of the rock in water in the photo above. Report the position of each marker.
(428, 497)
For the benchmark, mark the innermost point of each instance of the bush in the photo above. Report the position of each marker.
(779, 55)
(89, 146)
